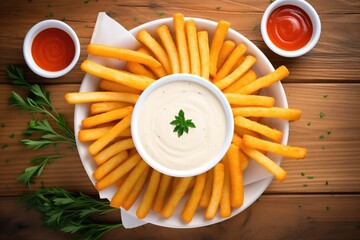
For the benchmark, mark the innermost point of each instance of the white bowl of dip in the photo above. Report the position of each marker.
(194, 152)
(254, 185)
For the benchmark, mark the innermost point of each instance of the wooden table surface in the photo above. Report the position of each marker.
(325, 80)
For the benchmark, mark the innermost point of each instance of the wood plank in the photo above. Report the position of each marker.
(297, 217)
(337, 163)
(335, 58)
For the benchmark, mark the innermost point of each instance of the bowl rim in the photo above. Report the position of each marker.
(182, 77)
(33, 32)
(310, 11)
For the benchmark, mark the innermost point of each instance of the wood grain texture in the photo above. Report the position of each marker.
(275, 217)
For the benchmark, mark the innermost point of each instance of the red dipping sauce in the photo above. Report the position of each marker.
(53, 49)
(289, 27)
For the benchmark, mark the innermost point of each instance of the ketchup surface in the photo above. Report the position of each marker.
(53, 49)
(289, 27)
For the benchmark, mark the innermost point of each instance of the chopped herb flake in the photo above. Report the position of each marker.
(327, 208)
(86, 1)
(328, 132)
(160, 14)
(4, 145)
(136, 19)
(322, 115)
(256, 27)
(218, 7)
(50, 15)
(326, 182)
(300, 205)
(309, 177)
(302, 174)
(325, 96)
(305, 185)
(308, 218)
(11, 136)
(309, 123)
(322, 136)
(323, 148)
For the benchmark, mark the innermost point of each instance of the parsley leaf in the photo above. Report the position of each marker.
(181, 124)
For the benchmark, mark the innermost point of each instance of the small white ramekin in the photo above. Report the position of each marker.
(229, 125)
(35, 30)
(315, 20)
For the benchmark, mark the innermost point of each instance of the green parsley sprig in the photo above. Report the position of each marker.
(181, 124)
(70, 212)
(50, 129)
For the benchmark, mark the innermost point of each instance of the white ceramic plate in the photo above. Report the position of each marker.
(256, 178)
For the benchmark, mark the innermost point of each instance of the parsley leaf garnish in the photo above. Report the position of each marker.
(181, 124)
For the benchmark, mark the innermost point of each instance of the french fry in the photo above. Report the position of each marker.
(89, 97)
(139, 69)
(109, 165)
(116, 87)
(149, 195)
(135, 192)
(217, 189)
(236, 99)
(205, 198)
(112, 150)
(225, 206)
(193, 47)
(175, 197)
(265, 81)
(273, 112)
(242, 131)
(118, 172)
(266, 162)
(216, 44)
(181, 42)
(170, 47)
(283, 150)
(237, 140)
(230, 62)
(162, 192)
(127, 79)
(128, 184)
(204, 51)
(264, 130)
(145, 38)
(92, 134)
(237, 73)
(106, 117)
(226, 49)
(122, 54)
(192, 203)
(103, 141)
(101, 107)
(236, 176)
(248, 77)
(159, 72)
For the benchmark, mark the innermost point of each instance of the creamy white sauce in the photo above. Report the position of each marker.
(190, 150)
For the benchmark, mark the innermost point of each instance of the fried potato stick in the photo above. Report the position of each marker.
(135, 192)
(160, 197)
(283, 150)
(205, 198)
(149, 195)
(264, 130)
(116, 87)
(216, 44)
(230, 62)
(89, 97)
(110, 165)
(273, 112)
(192, 203)
(145, 38)
(236, 176)
(265, 81)
(92, 134)
(181, 42)
(101, 107)
(217, 189)
(204, 51)
(193, 47)
(108, 137)
(139, 69)
(236, 99)
(225, 206)
(237, 73)
(122, 54)
(159, 72)
(247, 78)
(125, 78)
(226, 49)
(106, 117)
(118, 172)
(128, 184)
(175, 196)
(112, 150)
(170, 47)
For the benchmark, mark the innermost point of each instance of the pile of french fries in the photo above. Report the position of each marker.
(219, 60)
